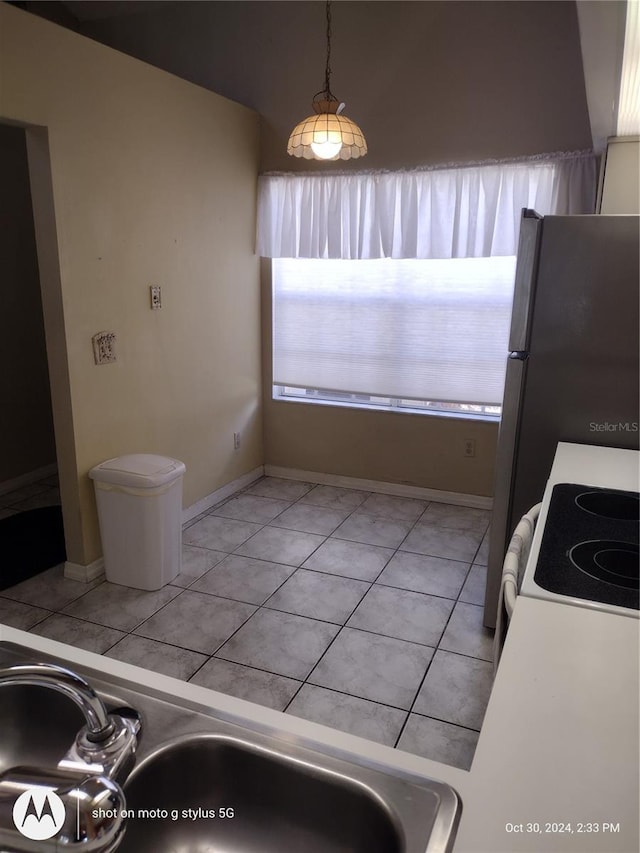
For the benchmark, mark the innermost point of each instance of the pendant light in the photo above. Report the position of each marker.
(328, 134)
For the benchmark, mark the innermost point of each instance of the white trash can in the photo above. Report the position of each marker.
(140, 513)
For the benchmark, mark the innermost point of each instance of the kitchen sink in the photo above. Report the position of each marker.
(229, 794)
(205, 781)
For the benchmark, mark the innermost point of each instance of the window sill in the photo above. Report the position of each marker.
(398, 410)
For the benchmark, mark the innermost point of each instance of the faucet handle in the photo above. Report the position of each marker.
(112, 757)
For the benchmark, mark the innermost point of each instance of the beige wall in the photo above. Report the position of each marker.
(393, 447)
(153, 182)
(26, 424)
(621, 185)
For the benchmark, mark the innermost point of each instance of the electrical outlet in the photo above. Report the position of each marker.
(155, 294)
(470, 447)
(236, 441)
(104, 347)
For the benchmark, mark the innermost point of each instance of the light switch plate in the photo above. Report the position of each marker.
(155, 294)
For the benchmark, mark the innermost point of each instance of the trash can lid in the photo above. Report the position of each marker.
(140, 470)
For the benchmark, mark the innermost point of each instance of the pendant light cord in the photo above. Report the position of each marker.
(327, 70)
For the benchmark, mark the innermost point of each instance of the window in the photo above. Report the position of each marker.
(394, 289)
(427, 335)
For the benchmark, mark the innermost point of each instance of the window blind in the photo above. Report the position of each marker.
(412, 329)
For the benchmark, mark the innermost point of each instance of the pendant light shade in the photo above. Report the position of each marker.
(327, 135)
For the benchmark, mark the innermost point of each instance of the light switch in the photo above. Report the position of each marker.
(156, 296)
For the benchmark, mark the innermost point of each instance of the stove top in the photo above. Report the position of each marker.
(589, 547)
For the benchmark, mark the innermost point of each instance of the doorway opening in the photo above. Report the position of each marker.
(31, 527)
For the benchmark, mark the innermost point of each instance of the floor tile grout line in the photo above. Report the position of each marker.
(327, 535)
(119, 640)
(66, 604)
(386, 636)
(357, 509)
(273, 609)
(415, 591)
(41, 620)
(397, 550)
(221, 644)
(288, 704)
(439, 720)
(197, 670)
(215, 656)
(352, 695)
(265, 605)
(300, 616)
(406, 712)
(437, 649)
(125, 631)
(240, 600)
(340, 630)
(426, 672)
(131, 631)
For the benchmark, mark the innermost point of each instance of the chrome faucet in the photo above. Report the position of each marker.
(99, 726)
(85, 780)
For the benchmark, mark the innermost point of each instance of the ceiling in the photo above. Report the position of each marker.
(232, 48)
(93, 10)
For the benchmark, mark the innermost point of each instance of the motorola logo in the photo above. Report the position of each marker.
(38, 813)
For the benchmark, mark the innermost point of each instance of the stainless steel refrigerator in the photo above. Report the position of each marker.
(573, 364)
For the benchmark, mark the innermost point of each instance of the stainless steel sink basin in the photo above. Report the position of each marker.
(35, 729)
(263, 802)
(207, 784)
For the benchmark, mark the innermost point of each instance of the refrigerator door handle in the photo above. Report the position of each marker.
(519, 355)
(525, 280)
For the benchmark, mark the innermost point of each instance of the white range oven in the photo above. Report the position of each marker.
(585, 546)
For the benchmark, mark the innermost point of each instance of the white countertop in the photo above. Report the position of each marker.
(560, 738)
(609, 467)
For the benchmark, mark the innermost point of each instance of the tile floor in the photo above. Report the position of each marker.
(43, 493)
(357, 610)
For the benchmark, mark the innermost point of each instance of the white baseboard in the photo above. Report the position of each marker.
(220, 494)
(28, 478)
(399, 489)
(77, 572)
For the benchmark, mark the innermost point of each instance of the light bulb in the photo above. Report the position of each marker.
(326, 150)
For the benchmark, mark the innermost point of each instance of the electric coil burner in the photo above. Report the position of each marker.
(589, 549)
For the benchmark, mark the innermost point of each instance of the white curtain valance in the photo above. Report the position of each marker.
(463, 212)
